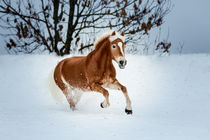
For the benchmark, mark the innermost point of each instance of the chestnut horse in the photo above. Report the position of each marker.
(94, 72)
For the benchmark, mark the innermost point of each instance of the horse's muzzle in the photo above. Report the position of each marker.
(122, 63)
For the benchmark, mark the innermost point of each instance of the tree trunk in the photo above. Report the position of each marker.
(70, 29)
(55, 17)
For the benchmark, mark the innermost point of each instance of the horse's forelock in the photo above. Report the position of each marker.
(116, 36)
(108, 35)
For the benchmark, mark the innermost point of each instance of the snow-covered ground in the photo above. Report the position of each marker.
(170, 97)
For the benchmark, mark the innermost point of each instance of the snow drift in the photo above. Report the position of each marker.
(170, 97)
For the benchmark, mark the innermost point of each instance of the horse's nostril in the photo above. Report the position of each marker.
(121, 62)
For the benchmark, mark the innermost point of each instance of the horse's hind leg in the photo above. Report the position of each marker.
(68, 93)
(63, 85)
(77, 96)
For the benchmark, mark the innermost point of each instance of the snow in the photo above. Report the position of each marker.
(170, 98)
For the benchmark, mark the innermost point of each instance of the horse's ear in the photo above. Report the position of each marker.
(113, 33)
(122, 34)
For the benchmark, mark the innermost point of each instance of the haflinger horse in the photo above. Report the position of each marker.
(94, 72)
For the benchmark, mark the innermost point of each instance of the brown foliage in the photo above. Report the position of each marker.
(45, 26)
(123, 12)
(118, 4)
(159, 22)
(60, 27)
(163, 46)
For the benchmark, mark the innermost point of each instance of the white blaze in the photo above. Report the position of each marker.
(121, 49)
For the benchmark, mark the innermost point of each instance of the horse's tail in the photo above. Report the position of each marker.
(56, 92)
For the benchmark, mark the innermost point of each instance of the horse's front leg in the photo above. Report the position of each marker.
(98, 88)
(116, 85)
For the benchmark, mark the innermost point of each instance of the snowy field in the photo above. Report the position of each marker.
(170, 97)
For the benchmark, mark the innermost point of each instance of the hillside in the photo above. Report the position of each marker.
(170, 97)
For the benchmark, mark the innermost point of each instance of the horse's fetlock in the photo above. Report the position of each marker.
(105, 104)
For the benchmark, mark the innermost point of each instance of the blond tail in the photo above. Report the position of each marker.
(56, 92)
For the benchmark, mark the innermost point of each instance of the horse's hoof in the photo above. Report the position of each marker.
(102, 105)
(128, 111)
(72, 108)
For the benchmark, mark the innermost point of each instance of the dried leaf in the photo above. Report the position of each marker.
(60, 27)
(108, 12)
(7, 10)
(159, 22)
(140, 2)
(110, 25)
(9, 46)
(77, 40)
(12, 42)
(117, 14)
(143, 25)
(25, 31)
(127, 22)
(123, 13)
(135, 6)
(118, 4)
(15, 20)
(34, 14)
(105, 2)
(149, 25)
(144, 11)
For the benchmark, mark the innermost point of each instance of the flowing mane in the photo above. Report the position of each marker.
(108, 35)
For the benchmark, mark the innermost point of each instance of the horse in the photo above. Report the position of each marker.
(94, 72)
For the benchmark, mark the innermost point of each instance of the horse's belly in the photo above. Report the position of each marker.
(78, 80)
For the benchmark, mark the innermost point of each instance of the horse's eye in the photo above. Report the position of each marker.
(113, 46)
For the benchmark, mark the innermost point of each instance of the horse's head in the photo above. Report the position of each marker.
(117, 44)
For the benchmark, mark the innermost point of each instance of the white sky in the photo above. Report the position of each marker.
(188, 23)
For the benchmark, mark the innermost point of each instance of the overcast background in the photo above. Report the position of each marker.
(188, 23)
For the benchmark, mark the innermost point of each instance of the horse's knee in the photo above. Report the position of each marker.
(124, 89)
(98, 88)
(106, 93)
(106, 102)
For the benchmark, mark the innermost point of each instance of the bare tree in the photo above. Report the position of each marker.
(63, 25)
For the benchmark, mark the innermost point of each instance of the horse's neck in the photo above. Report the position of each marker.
(102, 57)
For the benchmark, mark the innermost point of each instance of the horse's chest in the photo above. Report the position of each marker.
(107, 78)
